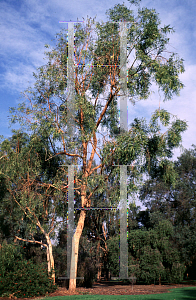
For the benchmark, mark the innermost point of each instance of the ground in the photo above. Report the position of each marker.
(104, 288)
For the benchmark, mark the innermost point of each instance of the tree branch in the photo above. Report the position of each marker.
(29, 241)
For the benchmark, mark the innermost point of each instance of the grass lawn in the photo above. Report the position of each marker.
(188, 293)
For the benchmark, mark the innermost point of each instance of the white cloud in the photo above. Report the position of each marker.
(18, 77)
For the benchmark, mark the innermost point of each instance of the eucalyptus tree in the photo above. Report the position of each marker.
(30, 193)
(95, 110)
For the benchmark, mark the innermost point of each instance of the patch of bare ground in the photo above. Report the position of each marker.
(108, 288)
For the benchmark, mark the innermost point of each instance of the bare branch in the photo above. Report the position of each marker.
(29, 241)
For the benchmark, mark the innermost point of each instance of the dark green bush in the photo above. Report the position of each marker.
(113, 256)
(176, 274)
(152, 257)
(20, 277)
(151, 267)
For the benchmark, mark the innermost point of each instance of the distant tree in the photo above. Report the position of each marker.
(30, 191)
(176, 202)
(153, 254)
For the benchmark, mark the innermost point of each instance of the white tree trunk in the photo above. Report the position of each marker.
(75, 249)
(50, 258)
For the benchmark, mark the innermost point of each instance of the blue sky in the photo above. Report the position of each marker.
(26, 26)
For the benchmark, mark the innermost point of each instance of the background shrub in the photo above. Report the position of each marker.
(88, 271)
(20, 277)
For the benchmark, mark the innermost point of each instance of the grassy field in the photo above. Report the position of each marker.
(175, 294)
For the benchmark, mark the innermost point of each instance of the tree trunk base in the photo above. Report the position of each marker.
(72, 285)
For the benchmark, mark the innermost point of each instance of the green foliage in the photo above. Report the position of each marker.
(30, 179)
(145, 36)
(47, 116)
(9, 253)
(20, 277)
(151, 267)
(136, 2)
(156, 254)
(36, 160)
(113, 255)
(153, 254)
(176, 203)
(159, 146)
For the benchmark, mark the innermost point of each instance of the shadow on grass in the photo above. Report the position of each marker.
(186, 293)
